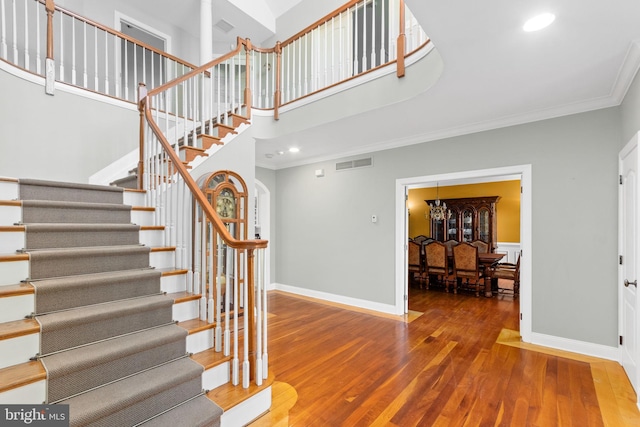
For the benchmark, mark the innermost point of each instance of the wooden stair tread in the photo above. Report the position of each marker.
(227, 395)
(16, 257)
(172, 271)
(10, 202)
(18, 328)
(143, 208)
(183, 296)
(16, 290)
(11, 228)
(20, 375)
(196, 325)
(163, 249)
(152, 227)
(210, 358)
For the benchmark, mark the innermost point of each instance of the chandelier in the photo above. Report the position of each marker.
(438, 210)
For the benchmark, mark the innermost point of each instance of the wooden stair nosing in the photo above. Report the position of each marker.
(194, 326)
(184, 296)
(227, 395)
(11, 203)
(13, 258)
(210, 358)
(16, 376)
(16, 290)
(18, 328)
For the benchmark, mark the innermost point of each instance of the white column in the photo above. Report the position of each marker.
(206, 31)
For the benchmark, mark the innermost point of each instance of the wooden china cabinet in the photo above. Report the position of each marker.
(472, 218)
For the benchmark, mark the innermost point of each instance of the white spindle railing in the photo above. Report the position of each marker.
(87, 54)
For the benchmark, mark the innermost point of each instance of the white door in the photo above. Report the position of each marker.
(627, 280)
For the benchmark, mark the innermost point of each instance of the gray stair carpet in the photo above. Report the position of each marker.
(51, 211)
(64, 293)
(47, 236)
(108, 341)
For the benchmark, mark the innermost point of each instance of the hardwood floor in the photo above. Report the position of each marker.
(335, 366)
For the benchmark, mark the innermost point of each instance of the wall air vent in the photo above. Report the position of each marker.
(352, 164)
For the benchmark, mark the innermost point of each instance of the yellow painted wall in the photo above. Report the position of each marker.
(507, 208)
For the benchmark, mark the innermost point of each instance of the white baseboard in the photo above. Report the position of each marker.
(575, 346)
(340, 299)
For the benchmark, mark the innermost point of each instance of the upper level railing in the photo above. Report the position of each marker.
(87, 54)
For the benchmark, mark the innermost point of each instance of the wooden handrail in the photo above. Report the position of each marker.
(199, 196)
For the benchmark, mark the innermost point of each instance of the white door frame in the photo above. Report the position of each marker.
(633, 143)
(264, 215)
(466, 177)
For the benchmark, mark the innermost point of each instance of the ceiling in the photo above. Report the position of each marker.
(495, 74)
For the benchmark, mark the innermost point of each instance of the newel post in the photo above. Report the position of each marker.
(250, 312)
(248, 97)
(278, 93)
(50, 72)
(142, 99)
(401, 43)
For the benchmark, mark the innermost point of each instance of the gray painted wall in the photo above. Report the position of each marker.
(631, 111)
(63, 137)
(268, 178)
(327, 242)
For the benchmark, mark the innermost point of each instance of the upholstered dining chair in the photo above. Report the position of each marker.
(466, 266)
(437, 263)
(507, 271)
(415, 261)
(483, 247)
(450, 244)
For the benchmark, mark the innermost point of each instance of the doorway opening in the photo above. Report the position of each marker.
(522, 173)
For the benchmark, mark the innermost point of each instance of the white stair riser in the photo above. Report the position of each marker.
(134, 198)
(216, 376)
(13, 272)
(162, 259)
(152, 238)
(30, 394)
(11, 241)
(186, 311)
(10, 215)
(248, 410)
(174, 283)
(16, 308)
(8, 190)
(200, 341)
(141, 217)
(19, 349)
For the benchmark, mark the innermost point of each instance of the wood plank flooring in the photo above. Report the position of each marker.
(460, 363)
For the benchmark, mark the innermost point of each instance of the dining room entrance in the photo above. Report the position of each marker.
(414, 214)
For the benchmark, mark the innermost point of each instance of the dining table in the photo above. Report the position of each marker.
(486, 260)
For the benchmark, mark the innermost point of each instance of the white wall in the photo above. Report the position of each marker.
(65, 137)
(327, 242)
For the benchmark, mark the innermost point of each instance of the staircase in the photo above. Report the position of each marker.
(95, 315)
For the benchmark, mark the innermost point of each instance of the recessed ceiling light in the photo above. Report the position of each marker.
(294, 149)
(539, 22)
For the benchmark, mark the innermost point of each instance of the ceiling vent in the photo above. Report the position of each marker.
(224, 26)
(352, 164)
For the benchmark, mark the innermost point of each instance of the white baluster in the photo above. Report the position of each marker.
(61, 47)
(3, 40)
(73, 51)
(26, 37)
(374, 63)
(235, 361)
(85, 72)
(245, 333)
(259, 314)
(15, 33)
(227, 301)
(106, 63)
(95, 59)
(263, 280)
(38, 42)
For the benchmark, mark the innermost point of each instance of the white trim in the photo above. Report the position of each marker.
(247, 410)
(524, 171)
(575, 346)
(339, 299)
(119, 17)
(264, 205)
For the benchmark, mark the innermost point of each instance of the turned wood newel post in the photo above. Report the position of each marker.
(50, 73)
(277, 96)
(142, 100)
(248, 96)
(401, 43)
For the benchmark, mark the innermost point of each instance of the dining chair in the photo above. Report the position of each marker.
(416, 264)
(466, 267)
(483, 247)
(450, 244)
(507, 271)
(437, 263)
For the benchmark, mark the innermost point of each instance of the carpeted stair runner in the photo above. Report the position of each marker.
(64, 293)
(46, 236)
(108, 342)
(51, 211)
